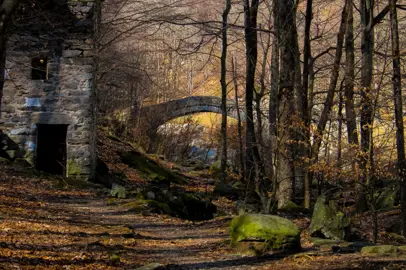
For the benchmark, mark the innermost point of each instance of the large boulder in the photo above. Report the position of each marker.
(265, 232)
(384, 250)
(118, 191)
(386, 198)
(191, 206)
(328, 221)
(215, 169)
(8, 148)
(228, 191)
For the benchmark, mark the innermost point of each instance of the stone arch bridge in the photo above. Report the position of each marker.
(156, 115)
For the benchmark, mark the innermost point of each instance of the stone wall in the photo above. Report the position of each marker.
(65, 39)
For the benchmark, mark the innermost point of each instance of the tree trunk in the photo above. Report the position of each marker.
(7, 9)
(367, 49)
(340, 127)
(305, 109)
(223, 81)
(253, 164)
(349, 79)
(259, 96)
(397, 91)
(286, 10)
(273, 114)
(239, 126)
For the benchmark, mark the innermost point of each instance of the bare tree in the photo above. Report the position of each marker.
(223, 81)
(254, 170)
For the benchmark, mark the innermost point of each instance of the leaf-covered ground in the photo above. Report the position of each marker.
(47, 223)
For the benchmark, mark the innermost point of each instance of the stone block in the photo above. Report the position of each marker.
(71, 53)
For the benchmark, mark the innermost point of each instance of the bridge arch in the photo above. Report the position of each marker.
(156, 115)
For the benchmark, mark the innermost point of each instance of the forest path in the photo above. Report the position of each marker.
(45, 224)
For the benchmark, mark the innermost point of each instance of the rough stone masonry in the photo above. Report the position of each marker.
(49, 86)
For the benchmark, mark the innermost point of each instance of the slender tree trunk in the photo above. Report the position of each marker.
(258, 113)
(259, 96)
(312, 79)
(397, 91)
(253, 168)
(239, 126)
(300, 125)
(273, 113)
(340, 128)
(367, 46)
(305, 108)
(224, 93)
(349, 79)
(7, 9)
(367, 49)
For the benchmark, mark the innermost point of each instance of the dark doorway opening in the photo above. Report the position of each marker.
(51, 148)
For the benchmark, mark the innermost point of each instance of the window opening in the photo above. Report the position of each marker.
(39, 68)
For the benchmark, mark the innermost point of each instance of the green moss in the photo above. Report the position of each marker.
(386, 250)
(73, 168)
(112, 201)
(291, 207)
(4, 161)
(386, 198)
(402, 249)
(136, 206)
(156, 207)
(277, 232)
(215, 169)
(118, 191)
(321, 242)
(29, 157)
(22, 162)
(328, 220)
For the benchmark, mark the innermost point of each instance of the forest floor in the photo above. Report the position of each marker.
(47, 223)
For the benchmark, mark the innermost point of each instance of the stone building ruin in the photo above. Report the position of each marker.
(48, 98)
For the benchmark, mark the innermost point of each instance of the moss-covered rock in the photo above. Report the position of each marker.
(328, 221)
(402, 250)
(386, 198)
(118, 191)
(384, 250)
(22, 162)
(291, 207)
(158, 207)
(4, 161)
(227, 190)
(191, 206)
(215, 169)
(154, 206)
(322, 242)
(276, 232)
(73, 168)
(151, 168)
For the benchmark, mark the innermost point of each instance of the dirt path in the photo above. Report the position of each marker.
(46, 225)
